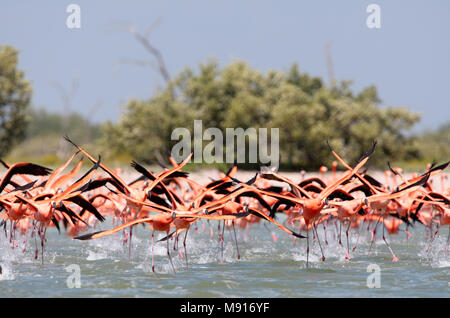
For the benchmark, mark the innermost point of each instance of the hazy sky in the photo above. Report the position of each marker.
(408, 58)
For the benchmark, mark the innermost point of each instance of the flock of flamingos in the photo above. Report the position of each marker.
(34, 198)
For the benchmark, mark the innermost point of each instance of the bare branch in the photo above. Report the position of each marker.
(94, 108)
(144, 39)
(152, 27)
(125, 60)
(152, 50)
(66, 98)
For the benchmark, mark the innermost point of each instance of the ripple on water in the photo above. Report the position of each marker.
(6, 272)
(266, 268)
(93, 256)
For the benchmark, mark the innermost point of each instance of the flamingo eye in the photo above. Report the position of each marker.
(54, 204)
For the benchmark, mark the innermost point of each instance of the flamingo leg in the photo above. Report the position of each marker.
(129, 246)
(337, 230)
(153, 263)
(318, 240)
(274, 238)
(374, 232)
(432, 238)
(359, 234)
(42, 245)
(235, 239)
(4, 229)
(184, 245)
(325, 233)
(168, 254)
(347, 256)
(10, 231)
(175, 245)
(221, 237)
(307, 247)
(35, 241)
(299, 229)
(448, 241)
(211, 231)
(394, 258)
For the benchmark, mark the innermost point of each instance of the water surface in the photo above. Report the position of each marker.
(266, 268)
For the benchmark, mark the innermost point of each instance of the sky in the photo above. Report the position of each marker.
(407, 58)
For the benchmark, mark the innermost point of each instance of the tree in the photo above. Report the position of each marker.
(307, 113)
(434, 145)
(15, 96)
(48, 128)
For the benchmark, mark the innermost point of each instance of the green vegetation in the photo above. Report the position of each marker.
(44, 141)
(306, 111)
(15, 95)
(436, 144)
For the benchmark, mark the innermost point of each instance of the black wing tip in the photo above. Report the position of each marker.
(297, 235)
(391, 169)
(86, 236)
(341, 194)
(440, 167)
(420, 182)
(55, 222)
(38, 170)
(368, 153)
(26, 186)
(134, 164)
(252, 180)
(329, 146)
(97, 164)
(4, 163)
(235, 180)
(66, 137)
(98, 216)
(166, 237)
(229, 170)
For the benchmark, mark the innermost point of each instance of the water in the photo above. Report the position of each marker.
(266, 268)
